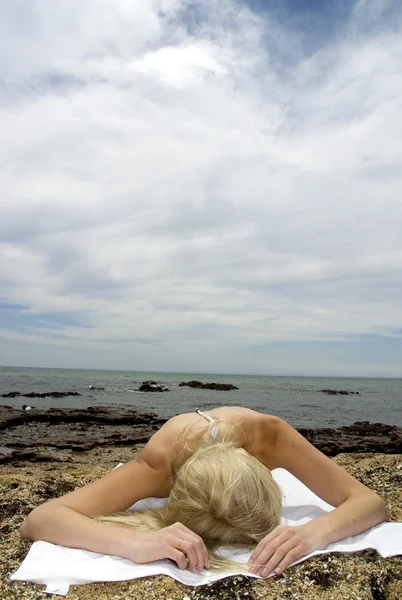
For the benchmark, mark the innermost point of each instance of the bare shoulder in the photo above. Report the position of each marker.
(157, 452)
(241, 414)
(261, 432)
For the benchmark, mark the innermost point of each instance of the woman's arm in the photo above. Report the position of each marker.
(67, 521)
(357, 507)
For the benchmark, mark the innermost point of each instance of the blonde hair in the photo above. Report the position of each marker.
(221, 492)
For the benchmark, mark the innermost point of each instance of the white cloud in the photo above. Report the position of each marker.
(195, 185)
(180, 66)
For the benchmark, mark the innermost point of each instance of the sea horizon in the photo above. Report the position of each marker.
(204, 373)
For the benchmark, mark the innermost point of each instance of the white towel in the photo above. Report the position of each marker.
(58, 567)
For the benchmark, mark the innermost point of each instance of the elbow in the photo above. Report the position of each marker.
(31, 527)
(382, 510)
(24, 529)
(27, 526)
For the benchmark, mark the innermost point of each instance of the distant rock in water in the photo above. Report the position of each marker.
(208, 386)
(40, 394)
(339, 392)
(152, 386)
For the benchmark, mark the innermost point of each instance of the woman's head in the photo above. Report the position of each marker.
(220, 492)
(225, 495)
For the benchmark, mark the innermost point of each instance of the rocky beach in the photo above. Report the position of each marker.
(45, 453)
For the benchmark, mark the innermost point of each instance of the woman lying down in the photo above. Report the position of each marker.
(215, 469)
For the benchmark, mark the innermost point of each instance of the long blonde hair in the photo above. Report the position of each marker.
(220, 492)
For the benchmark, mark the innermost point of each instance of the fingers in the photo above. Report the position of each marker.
(263, 544)
(266, 548)
(177, 556)
(291, 556)
(192, 547)
(282, 556)
(190, 550)
(277, 551)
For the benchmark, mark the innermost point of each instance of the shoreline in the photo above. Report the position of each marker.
(83, 429)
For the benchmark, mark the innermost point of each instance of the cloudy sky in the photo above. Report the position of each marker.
(209, 186)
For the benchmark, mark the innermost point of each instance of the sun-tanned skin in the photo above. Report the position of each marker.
(271, 440)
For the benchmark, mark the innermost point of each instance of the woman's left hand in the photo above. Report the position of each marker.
(283, 546)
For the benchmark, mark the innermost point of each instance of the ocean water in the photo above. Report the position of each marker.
(296, 399)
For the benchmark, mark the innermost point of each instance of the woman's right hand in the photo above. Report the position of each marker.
(176, 542)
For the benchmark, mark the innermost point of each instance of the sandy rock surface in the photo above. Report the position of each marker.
(367, 576)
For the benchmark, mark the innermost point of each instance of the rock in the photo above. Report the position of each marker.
(339, 392)
(378, 586)
(40, 394)
(361, 437)
(4, 451)
(86, 428)
(152, 386)
(33, 456)
(50, 394)
(208, 386)
(24, 454)
(73, 429)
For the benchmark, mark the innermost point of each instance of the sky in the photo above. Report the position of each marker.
(208, 186)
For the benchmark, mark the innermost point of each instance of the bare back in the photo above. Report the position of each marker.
(158, 451)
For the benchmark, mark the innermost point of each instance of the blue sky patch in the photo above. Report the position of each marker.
(20, 319)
